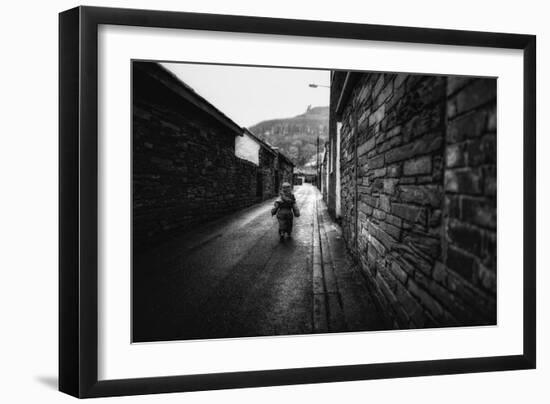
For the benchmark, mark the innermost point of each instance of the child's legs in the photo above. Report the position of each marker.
(285, 225)
(282, 226)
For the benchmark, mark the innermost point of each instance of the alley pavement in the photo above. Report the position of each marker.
(235, 278)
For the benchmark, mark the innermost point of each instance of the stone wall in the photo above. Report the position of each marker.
(285, 171)
(336, 87)
(184, 169)
(418, 175)
(325, 175)
(267, 169)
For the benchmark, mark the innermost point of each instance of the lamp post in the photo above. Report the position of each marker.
(314, 85)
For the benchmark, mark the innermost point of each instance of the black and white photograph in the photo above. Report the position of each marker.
(275, 202)
(272, 201)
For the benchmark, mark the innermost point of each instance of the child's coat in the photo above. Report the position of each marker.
(285, 209)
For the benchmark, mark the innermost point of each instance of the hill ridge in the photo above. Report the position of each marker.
(296, 136)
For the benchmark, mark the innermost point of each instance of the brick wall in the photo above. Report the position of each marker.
(418, 175)
(185, 170)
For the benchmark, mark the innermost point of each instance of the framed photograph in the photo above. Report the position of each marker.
(251, 201)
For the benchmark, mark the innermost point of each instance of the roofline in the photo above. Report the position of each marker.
(313, 172)
(272, 149)
(286, 158)
(349, 81)
(167, 78)
(262, 143)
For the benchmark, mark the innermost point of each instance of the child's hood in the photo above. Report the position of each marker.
(287, 196)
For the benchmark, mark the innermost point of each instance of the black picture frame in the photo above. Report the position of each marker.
(78, 201)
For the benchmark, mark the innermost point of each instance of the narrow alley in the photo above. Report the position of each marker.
(404, 164)
(235, 278)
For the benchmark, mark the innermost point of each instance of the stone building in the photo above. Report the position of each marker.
(265, 157)
(412, 174)
(306, 175)
(274, 167)
(284, 169)
(185, 169)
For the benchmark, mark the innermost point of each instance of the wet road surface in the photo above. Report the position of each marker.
(235, 278)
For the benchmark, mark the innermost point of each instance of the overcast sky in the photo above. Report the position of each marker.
(249, 95)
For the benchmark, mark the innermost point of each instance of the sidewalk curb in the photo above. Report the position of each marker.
(320, 315)
(328, 314)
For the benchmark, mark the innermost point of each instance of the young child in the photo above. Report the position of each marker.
(286, 209)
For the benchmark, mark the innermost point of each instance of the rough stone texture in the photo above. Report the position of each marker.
(336, 87)
(266, 174)
(284, 171)
(418, 175)
(185, 171)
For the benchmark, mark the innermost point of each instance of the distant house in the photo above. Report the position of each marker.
(306, 174)
(250, 147)
(274, 167)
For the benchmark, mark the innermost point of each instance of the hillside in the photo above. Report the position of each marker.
(296, 137)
